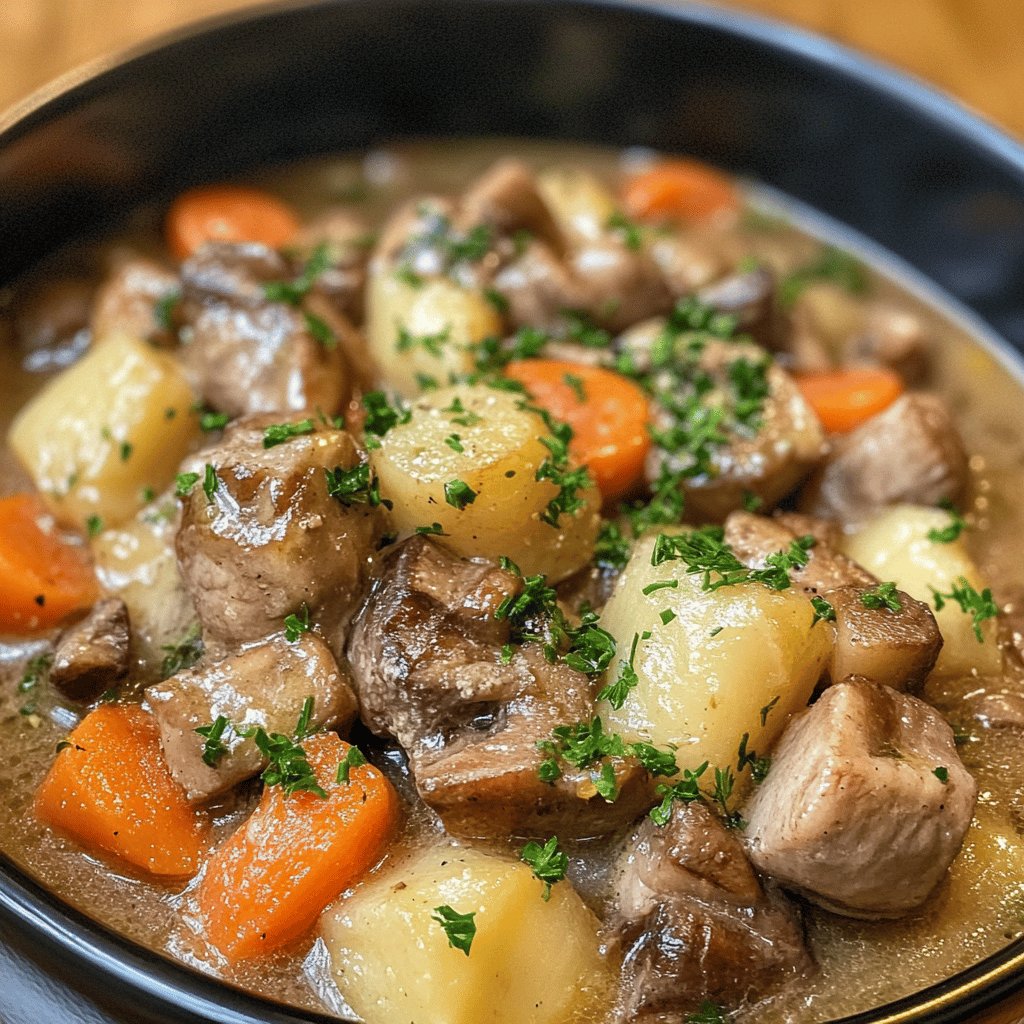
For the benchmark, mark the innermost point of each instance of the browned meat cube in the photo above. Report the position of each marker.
(270, 538)
(866, 803)
(748, 296)
(93, 653)
(126, 303)
(695, 924)
(911, 452)
(767, 462)
(426, 654)
(247, 354)
(896, 648)
(266, 685)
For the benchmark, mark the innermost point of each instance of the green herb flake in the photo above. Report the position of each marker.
(214, 748)
(94, 526)
(686, 790)
(355, 486)
(575, 383)
(354, 758)
(942, 774)
(459, 494)
(297, 623)
(948, 534)
(163, 309)
(628, 230)
(184, 483)
(884, 595)
(126, 450)
(320, 331)
(823, 611)
(767, 710)
(547, 862)
(433, 530)
(980, 606)
(182, 655)
(455, 443)
(278, 433)
(460, 929)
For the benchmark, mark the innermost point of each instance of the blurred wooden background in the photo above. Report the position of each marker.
(972, 48)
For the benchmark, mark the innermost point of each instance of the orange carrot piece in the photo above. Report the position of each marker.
(110, 789)
(270, 881)
(228, 213)
(609, 421)
(844, 399)
(42, 577)
(679, 190)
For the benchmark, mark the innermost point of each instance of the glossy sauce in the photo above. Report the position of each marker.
(977, 910)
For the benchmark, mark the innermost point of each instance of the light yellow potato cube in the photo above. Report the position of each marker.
(894, 545)
(580, 204)
(116, 422)
(705, 675)
(497, 453)
(531, 961)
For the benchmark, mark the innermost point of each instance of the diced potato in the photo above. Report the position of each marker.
(580, 204)
(531, 961)
(705, 675)
(455, 318)
(112, 425)
(894, 545)
(501, 452)
(137, 562)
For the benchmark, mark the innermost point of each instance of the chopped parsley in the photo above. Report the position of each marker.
(210, 420)
(355, 486)
(184, 654)
(948, 534)
(823, 611)
(354, 758)
(459, 494)
(214, 748)
(125, 451)
(288, 766)
(493, 354)
(433, 344)
(184, 483)
(210, 482)
(455, 443)
(707, 1013)
(942, 774)
(591, 648)
(278, 433)
(831, 264)
(460, 929)
(628, 230)
(297, 623)
(497, 300)
(460, 414)
(547, 862)
(617, 692)
(94, 526)
(575, 383)
(980, 606)
(320, 331)
(163, 309)
(433, 530)
(556, 469)
(611, 550)
(381, 416)
(748, 758)
(884, 595)
(767, 710)
(685, 790)
(293, 292)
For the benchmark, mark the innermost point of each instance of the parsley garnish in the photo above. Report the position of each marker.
(979, 606)
(381, 416)
(686, 790)
(354, 758)
(459, 494)
(948, 534)
(126, 450)
(628, 230)
(433, 530)
(707, 1013)
(278, 433)
(210, 420)
(210, 482)
(497, 300)
(355, 486)
(431, 343)
(575, 382)
(293, 292)
(184, 654)
(758, 765)
(163, 309)
(547, 862)
(591, 648)
(611, 550)
(288, 766)
(297, 623)
(455, 443)
(214, 748)
(94, 526)
(823, 611)
(882, 596)
(556, 469)
(460, 929)
(320, 331)
(942, 774)
(617, 692)
(462, 416)
(184, 484)
(830, 264)
(767, 710)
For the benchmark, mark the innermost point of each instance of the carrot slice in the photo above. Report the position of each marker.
(608, 414)
(679, 190)
(228, 213)
(844, 399)
(42, 577)
(270, 881)
(111, 789)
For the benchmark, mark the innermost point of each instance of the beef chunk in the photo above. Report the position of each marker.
(893, 338)
(265, 684)
(749, 297)
(695, 922)
(852, 813)
(127, 301)
(767, 462)
(426, 655)
(911, 453)
(347, 239)
(999, 710)
(93, 653)
(538, 288)
(896, 648)
(247, 354)
(271, 538)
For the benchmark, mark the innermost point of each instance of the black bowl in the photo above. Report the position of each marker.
(900, 164)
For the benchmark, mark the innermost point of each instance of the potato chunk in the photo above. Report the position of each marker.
(426, 330)
(392, 961)
(894, 545)
(501, 451)
(114, 424)
(705, 675)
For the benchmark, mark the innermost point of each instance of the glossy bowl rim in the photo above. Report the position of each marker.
(61, 928)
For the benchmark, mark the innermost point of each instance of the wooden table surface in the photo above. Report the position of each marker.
(974, 49)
